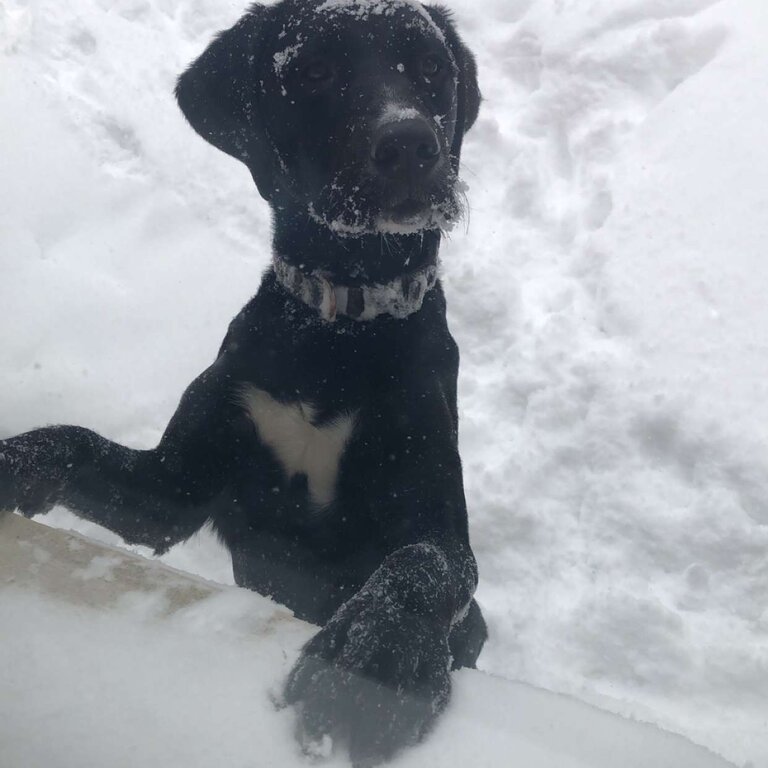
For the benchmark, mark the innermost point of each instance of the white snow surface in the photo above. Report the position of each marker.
(608, 298)
(165, 669)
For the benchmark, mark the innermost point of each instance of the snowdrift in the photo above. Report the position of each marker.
(112, 659)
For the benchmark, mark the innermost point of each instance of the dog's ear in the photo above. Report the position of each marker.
(469, 97)
(219, 94)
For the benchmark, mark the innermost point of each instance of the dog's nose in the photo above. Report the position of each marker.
(405, 148)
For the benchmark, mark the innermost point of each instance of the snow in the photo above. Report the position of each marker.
(396, 113)
(362, 9)
(164, 669)
(283, 58)
(607, 298)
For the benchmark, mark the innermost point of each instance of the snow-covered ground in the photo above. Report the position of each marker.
(117, 661)
(607, 297)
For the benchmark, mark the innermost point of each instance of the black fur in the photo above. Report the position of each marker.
(387, 568)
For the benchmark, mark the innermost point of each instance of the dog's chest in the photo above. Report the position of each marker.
(301, 446)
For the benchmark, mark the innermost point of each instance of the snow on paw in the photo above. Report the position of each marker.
(31, 495)
(8, 481)
(375, 677)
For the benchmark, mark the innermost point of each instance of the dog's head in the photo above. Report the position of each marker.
(350, 111)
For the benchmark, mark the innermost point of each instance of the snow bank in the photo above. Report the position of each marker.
(617, 472)
(114, 660)
(607, 299)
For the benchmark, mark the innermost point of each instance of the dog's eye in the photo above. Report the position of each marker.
(431, 66)
(317, 71)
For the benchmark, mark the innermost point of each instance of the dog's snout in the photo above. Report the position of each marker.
(405, 148)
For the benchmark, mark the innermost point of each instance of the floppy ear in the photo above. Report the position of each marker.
(469, 97)
(219, 94)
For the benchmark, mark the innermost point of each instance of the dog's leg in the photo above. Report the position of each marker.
(467, 638)
(379, 669)
(156, 497)
(127, 491)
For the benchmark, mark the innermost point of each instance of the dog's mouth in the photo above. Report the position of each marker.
(354, 217)
(409, 210)
(411, 216)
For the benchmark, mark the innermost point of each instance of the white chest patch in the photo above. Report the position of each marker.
(299, 445)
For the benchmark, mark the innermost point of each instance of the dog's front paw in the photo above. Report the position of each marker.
(8, 480)
(30, 493)
(375, 675)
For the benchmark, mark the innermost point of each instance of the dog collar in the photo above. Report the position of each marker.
(400, 298)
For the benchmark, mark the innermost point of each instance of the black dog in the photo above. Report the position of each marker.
(322, 442)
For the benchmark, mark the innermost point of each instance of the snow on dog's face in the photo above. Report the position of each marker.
(351, 112)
